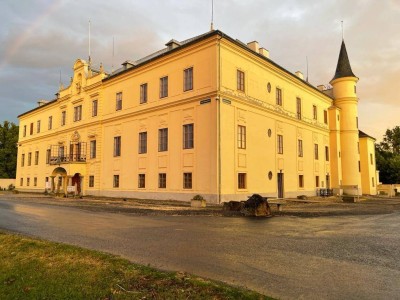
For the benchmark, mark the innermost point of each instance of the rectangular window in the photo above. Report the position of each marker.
(94, 108)
(21, 181)
(278, 96)
(163, 139)
(300, 147)
(31, 131)
(116, 181)
(373, 182)
(28, 181)
(358, 147)
(142, 142)
(29, 158)
(240, 80)
(371, 158)
(63, 117)
(187, 180)
(34, 181)
(24, 133)
(118, 101)
(316, 181)
(241, 137)
(48, 154)
(22, 160)
(142, 181)
(298, 108)
(242, 180)
(280, 144)
(188, 142)
(315, 114)
(188, 79)
(38, 126)
(359, 166)
(326, 153)
(117, 146)
(50, 124)
(143, 93)
(61, 152)
(325, 117)
(36, 157)
(162, 180)
(316, 156)
(164, 87)
(93, 145)
(301, 181)
(91, 181)
(77, 113)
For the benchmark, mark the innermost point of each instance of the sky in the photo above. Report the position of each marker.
(41, 39)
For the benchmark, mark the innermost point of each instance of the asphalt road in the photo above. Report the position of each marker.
(342, 257)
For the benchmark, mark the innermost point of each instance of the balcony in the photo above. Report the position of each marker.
(58, 155)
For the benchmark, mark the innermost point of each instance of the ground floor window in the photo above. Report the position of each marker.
(116, 181)
(91, 181)
(35, 181)
(242, 180)
(316, 181)
(187, 180)
(162, 180)
(142, 181)
(373, 182)
(28, 181)
(301, 181)
(21, 182)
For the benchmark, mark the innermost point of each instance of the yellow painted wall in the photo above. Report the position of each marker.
(368, 166)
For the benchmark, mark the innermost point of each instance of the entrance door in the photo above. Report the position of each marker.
(328, 184)
(77, 180)
(280, 185)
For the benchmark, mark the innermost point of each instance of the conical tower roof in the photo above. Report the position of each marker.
(343, 68)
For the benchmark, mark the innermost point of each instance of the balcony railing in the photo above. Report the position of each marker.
(60, 154)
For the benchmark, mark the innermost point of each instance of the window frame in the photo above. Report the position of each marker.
(36, 158)
(91, 181)
(163, 87)
(118, 101)
(241, 137)
(279, 144)
(300, 148)
(78, 113)
(278, 92)
(316, 151)
(141, 181)
(162, 139)
(240, 80)
(143, 93)
(315, 112)
(242, 181)
(117, 146)
(326, 153)
(38, 126)
(95, 105)
(188, 136)
(116, 181)
(298, 108)
(301, 181)
(162, 180)
(187, 180)
(63, 117)
(188, 79)
(50, 123)
(93, 149)
(142, 142)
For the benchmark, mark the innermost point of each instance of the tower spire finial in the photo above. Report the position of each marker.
(212, 15)
(342, 32)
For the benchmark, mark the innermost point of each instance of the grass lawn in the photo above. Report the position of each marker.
(36, 269)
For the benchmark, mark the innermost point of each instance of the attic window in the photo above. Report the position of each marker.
(172, 44)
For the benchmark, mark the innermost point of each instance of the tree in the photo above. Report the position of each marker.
(8, 149)
(388, 156)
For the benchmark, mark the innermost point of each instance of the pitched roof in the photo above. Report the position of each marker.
(343, 68)
(362, 134)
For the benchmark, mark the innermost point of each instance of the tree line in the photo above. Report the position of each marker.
(388, 156)
(8, 149)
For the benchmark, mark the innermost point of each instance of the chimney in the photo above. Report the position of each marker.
(321, 87)
(172, 44)
(264, 52)
(299, 74)
(128, 64)
(253, 46)
(42, 102)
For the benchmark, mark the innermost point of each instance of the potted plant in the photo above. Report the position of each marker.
(198, 201)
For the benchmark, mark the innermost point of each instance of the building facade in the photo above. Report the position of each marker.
(209, 115)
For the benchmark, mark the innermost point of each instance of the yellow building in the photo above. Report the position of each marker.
(209, 115)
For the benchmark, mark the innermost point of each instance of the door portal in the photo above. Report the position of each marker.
(280, 185)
